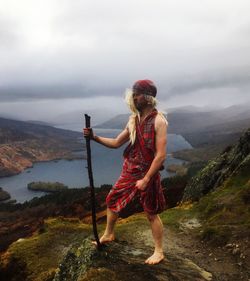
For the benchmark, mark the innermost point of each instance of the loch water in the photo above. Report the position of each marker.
(106, 164)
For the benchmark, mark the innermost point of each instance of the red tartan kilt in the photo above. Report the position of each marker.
(153, 199)
(124, 191)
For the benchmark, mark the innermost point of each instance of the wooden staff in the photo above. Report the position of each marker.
(91, 183)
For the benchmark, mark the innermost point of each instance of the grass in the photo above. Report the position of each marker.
(172, 217)
(128, 227)
(217, 235)
(42, 252)
(205, 153)
(222, 212)
(228, 204)
(226, 210)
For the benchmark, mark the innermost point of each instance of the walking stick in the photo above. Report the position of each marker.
(91, 184)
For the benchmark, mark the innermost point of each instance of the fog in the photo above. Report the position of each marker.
(60, 59)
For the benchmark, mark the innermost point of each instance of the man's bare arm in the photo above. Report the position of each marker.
(109, 142)
(160, 154)
(114, 142)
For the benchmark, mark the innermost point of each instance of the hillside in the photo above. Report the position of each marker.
(206, 236)
(232, 160)
(200, 128)
(36, 130)
(22, 220)
(223, 133)
(23, 143)
(202, 120)
(198, 244)
(117, 122)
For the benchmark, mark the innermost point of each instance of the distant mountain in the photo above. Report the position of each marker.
(226, 133)
(192, 108)
(117, 122)
(190, 121)
(23, 143)
(8, 135)
(189, 118)
(35, 130)
(200, 127)
(36, 122)
(236, 112)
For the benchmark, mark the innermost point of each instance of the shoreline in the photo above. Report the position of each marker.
(75, 175)
(4, 195)
(17, 186)
(68, 158)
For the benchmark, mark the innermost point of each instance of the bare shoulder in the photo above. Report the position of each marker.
(160, 122)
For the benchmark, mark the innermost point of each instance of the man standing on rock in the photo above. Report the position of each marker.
(146, 132)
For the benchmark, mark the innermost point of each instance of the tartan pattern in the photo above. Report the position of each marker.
(137, 160)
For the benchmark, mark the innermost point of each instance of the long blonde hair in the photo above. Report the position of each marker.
(135, 113)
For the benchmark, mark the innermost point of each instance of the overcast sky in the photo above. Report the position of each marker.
(63, 57)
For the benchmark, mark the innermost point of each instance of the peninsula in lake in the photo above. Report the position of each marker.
(24, 143)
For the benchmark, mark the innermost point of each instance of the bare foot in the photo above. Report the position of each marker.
(105, 239)
(156, 258)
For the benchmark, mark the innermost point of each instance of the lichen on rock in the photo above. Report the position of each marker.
(120, 261)
(219, 169)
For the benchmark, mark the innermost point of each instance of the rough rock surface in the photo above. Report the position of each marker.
(219, 169)
(121, 261)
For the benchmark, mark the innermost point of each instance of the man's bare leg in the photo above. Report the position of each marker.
(109, 235)
(157, 232)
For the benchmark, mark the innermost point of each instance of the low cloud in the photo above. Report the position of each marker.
(82, 50)
(238, 79)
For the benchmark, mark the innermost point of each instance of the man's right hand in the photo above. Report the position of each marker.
(88, 133)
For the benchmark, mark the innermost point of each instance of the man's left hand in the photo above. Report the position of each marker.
(142, 184)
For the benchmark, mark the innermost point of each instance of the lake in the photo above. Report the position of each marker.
(106, 164)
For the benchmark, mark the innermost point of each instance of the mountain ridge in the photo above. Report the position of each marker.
(200, 128)
(23, 143)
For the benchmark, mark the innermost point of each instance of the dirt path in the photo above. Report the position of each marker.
(216, 260)
(187, 259)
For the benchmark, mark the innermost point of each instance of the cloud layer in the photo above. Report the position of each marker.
(58, 50)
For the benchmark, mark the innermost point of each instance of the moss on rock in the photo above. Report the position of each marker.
(218, 170)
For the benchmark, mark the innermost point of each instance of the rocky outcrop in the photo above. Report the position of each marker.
(186, 256)
(229, 162)
(122, 262)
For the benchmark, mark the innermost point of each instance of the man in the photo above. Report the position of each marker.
(143, 158)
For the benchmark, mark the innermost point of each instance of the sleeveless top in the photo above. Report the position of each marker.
(137, 160)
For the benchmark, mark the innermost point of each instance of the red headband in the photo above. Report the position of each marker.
(146, 86)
